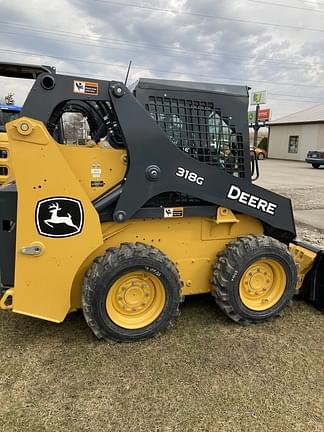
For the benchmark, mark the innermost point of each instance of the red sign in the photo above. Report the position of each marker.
(264, 114)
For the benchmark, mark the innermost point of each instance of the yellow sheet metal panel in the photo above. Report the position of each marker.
(98, 169)
(191, 243)
(304, 259)
(43, 281)
(185, 241)
(3, 137)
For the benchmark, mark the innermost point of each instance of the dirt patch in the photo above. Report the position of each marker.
(302, 199)
(311, 235)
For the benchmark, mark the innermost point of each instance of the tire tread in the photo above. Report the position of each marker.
(224, 272)
(110, 261)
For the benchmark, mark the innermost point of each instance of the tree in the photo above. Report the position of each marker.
(7, 100)
(263, 144)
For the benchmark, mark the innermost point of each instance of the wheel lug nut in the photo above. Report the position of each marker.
(120, 298)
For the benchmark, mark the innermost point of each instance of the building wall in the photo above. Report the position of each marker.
(311, 137)
(321, 136)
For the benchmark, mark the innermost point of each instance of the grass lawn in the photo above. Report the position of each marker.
(206, 374)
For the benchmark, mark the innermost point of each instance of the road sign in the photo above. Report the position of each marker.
(264, 115)
(251, 116)
(258, 98)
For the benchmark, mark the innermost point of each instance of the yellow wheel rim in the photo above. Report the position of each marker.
(262, 284)
(135, 300)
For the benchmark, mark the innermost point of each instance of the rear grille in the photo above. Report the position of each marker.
(8, 215)
(3, 153)
(200, 130)
(4, 171)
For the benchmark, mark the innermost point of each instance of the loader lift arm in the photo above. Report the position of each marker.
(24, 71)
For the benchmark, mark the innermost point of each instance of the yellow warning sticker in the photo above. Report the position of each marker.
(86, 87)
(173, 212)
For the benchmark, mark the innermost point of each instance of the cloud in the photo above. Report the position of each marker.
(98, 38)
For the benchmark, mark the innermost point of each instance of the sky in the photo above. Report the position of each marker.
(266, 44)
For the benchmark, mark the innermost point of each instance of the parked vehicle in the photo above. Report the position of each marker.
(8, 113)
(315, 157)
(260, 153)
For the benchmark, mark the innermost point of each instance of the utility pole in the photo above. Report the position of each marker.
(256, 126)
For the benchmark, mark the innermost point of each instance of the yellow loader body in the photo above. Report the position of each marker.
(192, 243)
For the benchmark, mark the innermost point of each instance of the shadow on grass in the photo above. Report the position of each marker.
(195, 313)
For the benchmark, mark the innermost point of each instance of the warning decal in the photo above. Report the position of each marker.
(96, 171)
(97, 183)
(86, 87)
(173, 212)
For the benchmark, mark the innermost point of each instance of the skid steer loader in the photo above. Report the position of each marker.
(160, 206)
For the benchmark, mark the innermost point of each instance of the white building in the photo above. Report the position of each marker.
(292, 136)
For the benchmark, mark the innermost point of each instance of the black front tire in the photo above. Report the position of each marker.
(116, 263)
(232, 263)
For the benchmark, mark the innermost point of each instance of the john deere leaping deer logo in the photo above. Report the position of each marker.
(59, 217)
(55, 219)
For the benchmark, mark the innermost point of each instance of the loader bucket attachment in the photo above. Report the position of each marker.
(312, 287)
(315, 282)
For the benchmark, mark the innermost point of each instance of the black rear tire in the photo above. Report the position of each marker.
(231, 267)
(315, 165)
(123, 262)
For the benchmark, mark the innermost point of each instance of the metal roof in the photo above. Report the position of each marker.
(237, 90)
(310, 115)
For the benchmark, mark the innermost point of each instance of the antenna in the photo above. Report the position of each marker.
(127, 74)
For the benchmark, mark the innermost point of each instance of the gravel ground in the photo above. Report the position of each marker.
(206, 374)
